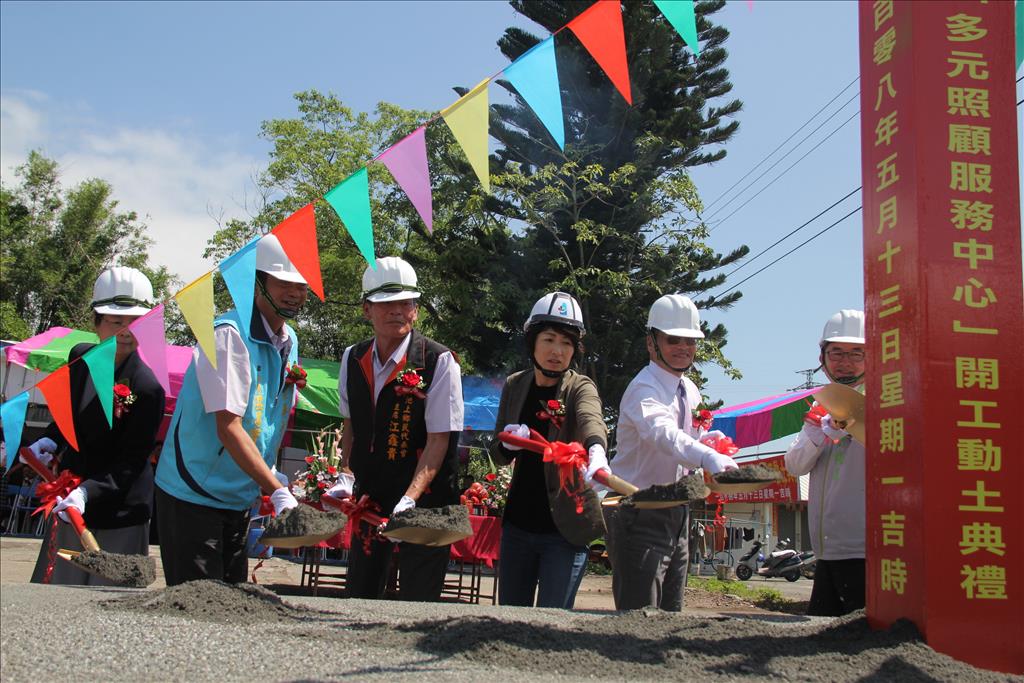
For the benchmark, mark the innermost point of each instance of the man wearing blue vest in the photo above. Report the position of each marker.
(401, 395)
(226, 430)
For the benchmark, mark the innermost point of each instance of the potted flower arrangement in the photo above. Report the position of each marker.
(489, 489)
(322, 468)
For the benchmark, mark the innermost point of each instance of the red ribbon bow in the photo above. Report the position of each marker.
(723, 445)
(48, 491)
(568, 457)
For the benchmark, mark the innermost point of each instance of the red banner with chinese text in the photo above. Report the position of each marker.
(943, 299)
(786, 490)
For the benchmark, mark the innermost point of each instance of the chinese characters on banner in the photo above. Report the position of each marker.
(786, 490)
(943, 281)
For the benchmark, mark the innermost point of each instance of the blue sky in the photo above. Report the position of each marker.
(165, 101)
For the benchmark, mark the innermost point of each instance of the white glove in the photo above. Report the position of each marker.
(522, 431)
(76, 499)
(711, 436)
(597, 461)
(830, 430)
(713, 461)
(283, 479)
(43, 449)
(283, 500)
(405, 503)
(343, 489)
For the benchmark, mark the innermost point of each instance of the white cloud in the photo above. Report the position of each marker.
(172, 179)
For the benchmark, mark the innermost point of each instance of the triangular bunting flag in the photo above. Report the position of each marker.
(239, 273)
(535, 76)
(1019, 23)
(100, 360)
(468, 121)
(149, 332)
(350, 199)
(196, 304)
(12, 414)
(681, 15)
(297, 235)
(56, 387)
(407, 161)
(599, 28)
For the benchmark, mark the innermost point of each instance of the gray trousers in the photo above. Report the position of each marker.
(647, 549)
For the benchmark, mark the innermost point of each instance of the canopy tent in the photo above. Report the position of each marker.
(318, 401)
(766, 419)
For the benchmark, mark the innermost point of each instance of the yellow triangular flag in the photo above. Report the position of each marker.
(468, 120)
(196, 304)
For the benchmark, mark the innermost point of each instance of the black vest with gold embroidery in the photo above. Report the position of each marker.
(388, 438)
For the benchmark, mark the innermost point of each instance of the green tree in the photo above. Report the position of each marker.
(615, 218)
(55, 242)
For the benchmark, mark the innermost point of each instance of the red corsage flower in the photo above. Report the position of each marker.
(702, 419)
(123, 399)
(410, 382)
(552, 410)
(296, 375)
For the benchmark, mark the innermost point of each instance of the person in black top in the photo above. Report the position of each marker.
(116, 488)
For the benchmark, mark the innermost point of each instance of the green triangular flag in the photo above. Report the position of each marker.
(1019, 21)
(681, 15)
(350, 199)
(100, 360)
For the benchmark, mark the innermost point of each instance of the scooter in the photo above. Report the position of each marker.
(747, 564)
(808, 562)
(783, 562)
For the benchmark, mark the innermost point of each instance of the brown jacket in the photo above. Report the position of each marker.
(583, 423)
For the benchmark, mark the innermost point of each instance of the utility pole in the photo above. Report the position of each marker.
(809, 382)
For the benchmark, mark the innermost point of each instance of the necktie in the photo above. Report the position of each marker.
(681, 404)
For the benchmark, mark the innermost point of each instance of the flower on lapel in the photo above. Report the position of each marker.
(123, 399)
(410, 382)
(702, 418)
(553, 410)
(296, 375)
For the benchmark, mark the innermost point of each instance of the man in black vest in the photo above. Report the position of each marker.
(401, 394)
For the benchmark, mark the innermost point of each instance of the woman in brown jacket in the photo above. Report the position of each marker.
(544, 539)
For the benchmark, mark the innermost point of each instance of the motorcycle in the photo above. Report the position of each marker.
(808, 562)
(783, 561)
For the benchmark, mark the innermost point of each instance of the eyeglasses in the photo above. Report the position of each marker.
(838, 354)
(686, 341)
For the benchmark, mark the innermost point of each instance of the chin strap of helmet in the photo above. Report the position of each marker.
(848, 380)
(550, 374)
(286, 313)
(657, 350)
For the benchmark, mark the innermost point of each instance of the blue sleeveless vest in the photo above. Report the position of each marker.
(194, 466)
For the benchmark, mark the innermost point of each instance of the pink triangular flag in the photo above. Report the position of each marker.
(407, 161)
(149, 332)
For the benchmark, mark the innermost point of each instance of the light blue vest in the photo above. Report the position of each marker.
(194, 466)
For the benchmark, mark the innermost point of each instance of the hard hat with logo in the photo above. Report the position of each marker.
(676, 316)
(272, 260)
(393, 280)
(122, 291)
(846, 326)
(559, 308)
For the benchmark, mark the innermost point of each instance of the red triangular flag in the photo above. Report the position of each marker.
(56, 387)
(600, 30)
(297, 235)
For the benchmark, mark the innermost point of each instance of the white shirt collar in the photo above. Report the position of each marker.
(278, 340)
(669, 380)
(396, 355)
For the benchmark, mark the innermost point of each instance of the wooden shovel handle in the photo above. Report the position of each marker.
(616, 484)
(84, 535)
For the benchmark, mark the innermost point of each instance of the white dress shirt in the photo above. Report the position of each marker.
(226, 387)
(443, 411)
(651, 447)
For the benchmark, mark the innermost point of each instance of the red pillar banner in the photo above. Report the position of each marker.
(942, 277)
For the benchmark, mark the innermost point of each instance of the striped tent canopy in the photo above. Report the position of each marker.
(766, 419)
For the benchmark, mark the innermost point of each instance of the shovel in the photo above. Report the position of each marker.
(128, 568)
(420, 535)
(561, 454)
(846, 405)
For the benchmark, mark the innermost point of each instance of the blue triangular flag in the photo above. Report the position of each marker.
(239, 273)
(535, 76)
(12, 414)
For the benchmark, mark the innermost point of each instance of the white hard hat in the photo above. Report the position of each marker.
(392, 280)
(271, 259)
(846, 326)
(122, 291)
(556, 307)
(676, 316)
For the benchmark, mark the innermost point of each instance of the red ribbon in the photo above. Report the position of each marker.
(717, 501)
(362, 510)
(723, 445)
(815, 414)
(48, 491)
(266, 508)
(568, 457)
(556, 420)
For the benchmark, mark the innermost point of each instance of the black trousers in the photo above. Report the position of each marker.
(200, 542)
(838, 588)
(421, 569)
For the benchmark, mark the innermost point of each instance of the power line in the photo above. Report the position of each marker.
(788, 169)
(804, 125)
(780, 159)
(802, 244)
(793, 232)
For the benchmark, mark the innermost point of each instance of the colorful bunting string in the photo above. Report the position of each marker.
(56, 388)
(297, 235)
(149, 333)
(12, 414)
(407, 161)
(100, 360)
(535, 76)
(350, 199)
(239, 273)
(196, 304)
(468, 120)
(599, 28)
